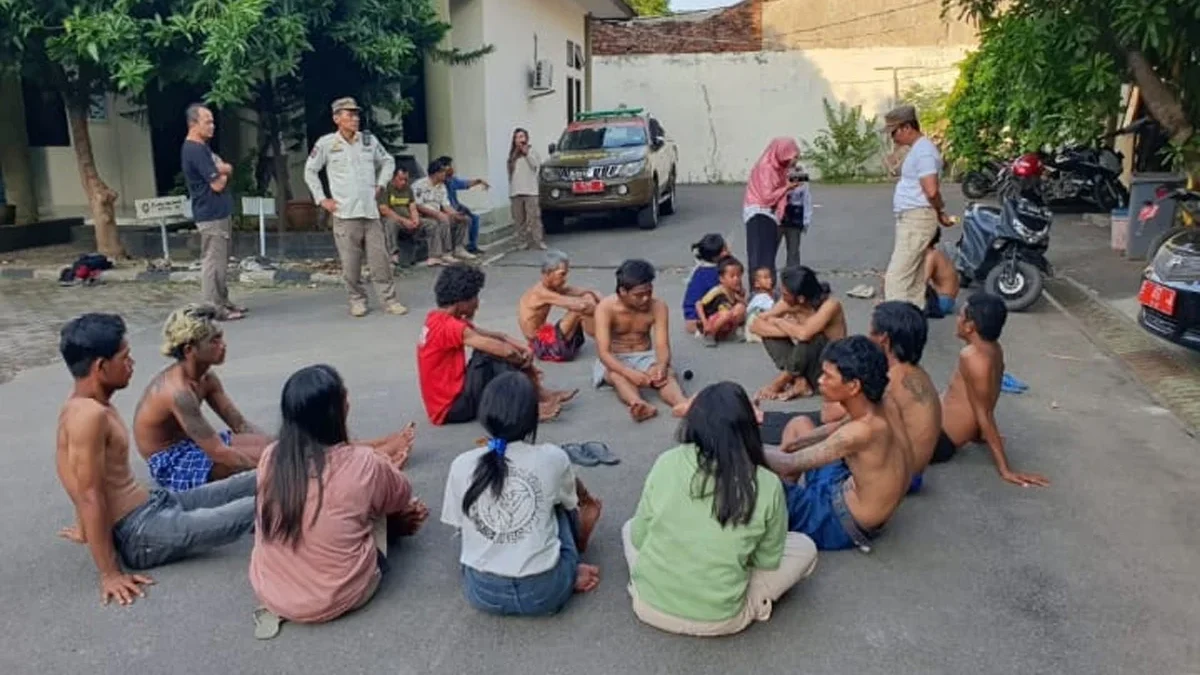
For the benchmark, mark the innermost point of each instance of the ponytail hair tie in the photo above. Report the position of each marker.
(497, 445)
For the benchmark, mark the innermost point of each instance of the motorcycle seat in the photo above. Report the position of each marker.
(985, 210)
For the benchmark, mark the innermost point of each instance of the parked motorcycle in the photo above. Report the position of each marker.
(981, 182)
(1089, 173)
(1005, 246)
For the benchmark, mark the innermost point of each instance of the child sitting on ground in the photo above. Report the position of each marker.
(524, 517)
(709, 250)
(763, 299)
(721, 312)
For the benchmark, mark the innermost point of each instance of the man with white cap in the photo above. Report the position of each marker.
(358, 167)
(918, 206)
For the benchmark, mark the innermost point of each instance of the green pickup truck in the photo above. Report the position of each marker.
(616, 161)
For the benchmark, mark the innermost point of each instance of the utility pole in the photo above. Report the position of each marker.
(896, 80)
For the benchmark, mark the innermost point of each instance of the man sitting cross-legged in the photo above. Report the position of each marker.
(560, 341)
(796, 330)
(181, 448)
(633, 343)
(451, 386)
(911, 400)
(855, 478)
(969, 405)
(120, 520)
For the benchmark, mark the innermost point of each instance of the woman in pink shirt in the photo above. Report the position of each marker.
(320, 545)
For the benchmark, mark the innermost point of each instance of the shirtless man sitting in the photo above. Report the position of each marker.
(795, 332)
(180, 447)
(941, 281)
(911, 400)
(560, 341)
(855, 478)
(633, 343)
(969, 405)
(118, 519)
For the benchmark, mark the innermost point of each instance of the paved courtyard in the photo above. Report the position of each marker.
(1096, 574)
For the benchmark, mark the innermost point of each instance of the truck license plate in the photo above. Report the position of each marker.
(1157, 297)
(587, 187)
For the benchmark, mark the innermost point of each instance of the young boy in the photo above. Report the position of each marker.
(722, 310)
(708, 251)
(558, 342)
(450, 385)
(969, 405)
(763, 299)
(941, 281)
(633, 343)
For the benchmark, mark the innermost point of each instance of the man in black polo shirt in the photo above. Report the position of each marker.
(207, 179)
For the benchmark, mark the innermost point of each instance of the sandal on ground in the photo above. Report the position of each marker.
(266, 624)
(578, 455)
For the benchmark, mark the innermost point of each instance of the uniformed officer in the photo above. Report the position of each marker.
(358, 167)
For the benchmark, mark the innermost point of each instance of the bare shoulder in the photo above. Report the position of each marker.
(210, 384)
(607, 304)
(854, 434)
(85, 417)
(659, 306)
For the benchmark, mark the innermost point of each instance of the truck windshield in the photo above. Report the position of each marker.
(603, 137)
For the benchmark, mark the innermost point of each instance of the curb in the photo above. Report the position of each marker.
(492, 253)
(1170, 380)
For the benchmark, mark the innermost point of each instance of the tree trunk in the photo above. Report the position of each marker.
(101, 198)
(14, 151)
(1163, 104)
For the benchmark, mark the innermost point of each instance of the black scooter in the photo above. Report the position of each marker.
(1005, 248)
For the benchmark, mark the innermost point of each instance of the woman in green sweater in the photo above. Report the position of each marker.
(708, 549)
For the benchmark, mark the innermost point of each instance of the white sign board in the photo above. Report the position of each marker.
(251, 206)
(161, 208)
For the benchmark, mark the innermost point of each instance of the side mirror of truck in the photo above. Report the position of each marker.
(658, 143)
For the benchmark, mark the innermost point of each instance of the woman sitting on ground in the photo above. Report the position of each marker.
(708, 548)
(324, 506)
(795, 332)
(525, 518)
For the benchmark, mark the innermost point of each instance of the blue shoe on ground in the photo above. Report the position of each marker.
(1011, 385)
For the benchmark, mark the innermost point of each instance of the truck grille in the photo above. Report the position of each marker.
(588, 173)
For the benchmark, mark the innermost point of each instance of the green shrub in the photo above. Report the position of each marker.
(843, 150)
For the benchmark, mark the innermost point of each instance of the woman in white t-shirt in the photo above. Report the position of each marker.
(523, 515)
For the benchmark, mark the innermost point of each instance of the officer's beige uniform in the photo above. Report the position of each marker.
(356, 169)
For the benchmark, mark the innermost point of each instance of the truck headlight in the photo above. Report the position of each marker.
(632, 169)
(549, 173)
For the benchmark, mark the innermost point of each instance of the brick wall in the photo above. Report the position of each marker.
(734, 29)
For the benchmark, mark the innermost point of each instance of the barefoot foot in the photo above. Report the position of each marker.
(587, 578)
(641, 411)
(799, 389)
(681, 409)
(589, 514)
(549, 410)
(563, 396)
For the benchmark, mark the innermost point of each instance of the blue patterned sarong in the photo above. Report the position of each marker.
(184, 465)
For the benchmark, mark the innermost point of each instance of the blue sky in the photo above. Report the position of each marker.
(680, 5)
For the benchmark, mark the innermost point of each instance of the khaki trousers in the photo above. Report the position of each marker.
(766, 586)
(356, 237)
(905, 278)
(527, 219)
(444, 238)
(214, 261)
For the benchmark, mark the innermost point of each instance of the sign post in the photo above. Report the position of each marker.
(264, 207)
(161, 210)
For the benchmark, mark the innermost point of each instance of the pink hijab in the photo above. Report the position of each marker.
(768, 182)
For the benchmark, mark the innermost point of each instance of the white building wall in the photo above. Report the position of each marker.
(722, 109)
(122, 152)
(513, 27)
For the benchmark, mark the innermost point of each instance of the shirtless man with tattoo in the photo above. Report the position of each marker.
(559, 341)
(911, 400)
(118, 519)
(969, 405)
(181, 448)
(795, 332)
(633, 343)
(856, 477)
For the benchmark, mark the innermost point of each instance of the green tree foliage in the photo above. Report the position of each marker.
(650, 7)
(1049, 70)
(842, 151)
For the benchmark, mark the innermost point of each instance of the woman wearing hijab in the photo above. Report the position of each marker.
(766, 200)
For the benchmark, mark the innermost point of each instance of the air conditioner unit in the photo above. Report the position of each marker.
(543, 76)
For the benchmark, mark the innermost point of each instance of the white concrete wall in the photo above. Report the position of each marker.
(722, 109)
(511, 26)
(468, 84)
(121, 148)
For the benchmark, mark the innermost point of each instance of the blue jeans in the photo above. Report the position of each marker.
(819, 509)
(539, 595)
(173, 525)
(473, 230)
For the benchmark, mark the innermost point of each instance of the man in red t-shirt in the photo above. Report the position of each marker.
(450, 384)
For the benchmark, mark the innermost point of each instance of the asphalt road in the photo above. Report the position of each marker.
(1095, 574)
